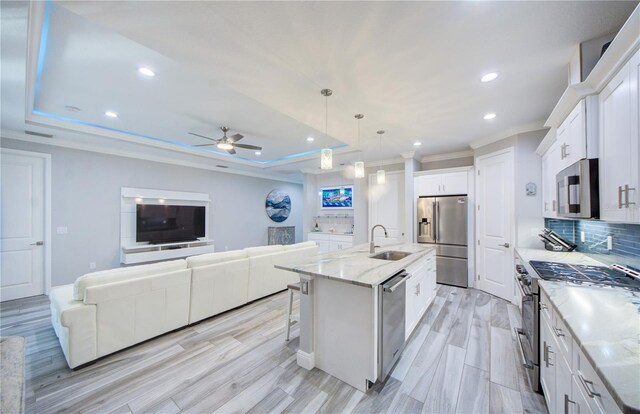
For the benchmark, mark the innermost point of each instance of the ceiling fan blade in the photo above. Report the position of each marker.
(202, 136)
(231, 151)
(246, 146)
(235, 138)
(202, 145)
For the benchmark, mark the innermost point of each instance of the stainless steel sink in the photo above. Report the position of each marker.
(390, 255)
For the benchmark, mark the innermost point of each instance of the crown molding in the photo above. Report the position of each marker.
(61, 142)
(533, 126)
(448, 156)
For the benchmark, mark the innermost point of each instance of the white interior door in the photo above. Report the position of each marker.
(22, 221)
(386, 207)
(495, 223)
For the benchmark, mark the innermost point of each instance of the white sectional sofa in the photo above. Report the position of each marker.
(103, 312)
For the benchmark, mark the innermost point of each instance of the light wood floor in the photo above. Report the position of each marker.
(461, 358)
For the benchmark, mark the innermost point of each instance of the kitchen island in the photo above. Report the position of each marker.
(343, 327)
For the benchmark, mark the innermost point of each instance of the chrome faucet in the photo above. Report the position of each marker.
(372, 246)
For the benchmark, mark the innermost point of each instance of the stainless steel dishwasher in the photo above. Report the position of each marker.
(392, 296)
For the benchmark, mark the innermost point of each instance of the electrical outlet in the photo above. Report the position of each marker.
(609, 242)
(62, 230)
(92, 265)
(582, 236)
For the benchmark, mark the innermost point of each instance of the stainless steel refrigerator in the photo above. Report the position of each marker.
(442, 221)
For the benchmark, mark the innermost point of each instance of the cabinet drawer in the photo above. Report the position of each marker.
(317, 237)
(341, 238)
(563, 336)
(597, 396)
(546, 311)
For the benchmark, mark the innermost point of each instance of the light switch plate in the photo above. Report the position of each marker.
(62, 230)
(609, 242)
(582, 236)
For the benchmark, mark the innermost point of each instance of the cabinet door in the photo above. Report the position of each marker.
(548, 364)
(550, 164)
(619, 144)
(386, 207)
(564, 395)
(454, 183)
(411, 306)
(428, 185)
(576, 145)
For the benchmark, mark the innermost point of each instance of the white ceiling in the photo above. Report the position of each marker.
(412, 68)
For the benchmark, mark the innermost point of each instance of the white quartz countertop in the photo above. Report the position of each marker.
(355, 265)
(605, 323)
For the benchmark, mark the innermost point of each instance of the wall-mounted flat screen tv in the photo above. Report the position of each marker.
(336, 198)
(159, 223)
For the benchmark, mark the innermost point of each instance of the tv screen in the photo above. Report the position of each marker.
(336, 198)
(165, 224)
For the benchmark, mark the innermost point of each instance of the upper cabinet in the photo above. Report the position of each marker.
(550, 167)
(446, 183)
(619, 149)
(572, 137)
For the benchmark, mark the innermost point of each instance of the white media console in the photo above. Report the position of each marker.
(132, 252)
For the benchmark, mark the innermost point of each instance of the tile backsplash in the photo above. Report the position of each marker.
(626, 239)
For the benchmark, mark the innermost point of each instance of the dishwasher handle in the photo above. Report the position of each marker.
(393, 283)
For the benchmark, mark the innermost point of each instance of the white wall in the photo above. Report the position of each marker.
(86, 199)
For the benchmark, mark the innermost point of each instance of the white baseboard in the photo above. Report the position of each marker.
(305, 360)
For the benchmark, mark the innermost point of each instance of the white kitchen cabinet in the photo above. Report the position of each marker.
(569, 382)
(550, 167)
(451, 183)
(420, 291)
(619, 149)
(548, 363)
(572, 137)
(331, 242)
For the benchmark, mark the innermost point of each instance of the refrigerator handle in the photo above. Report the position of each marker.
(436, 221)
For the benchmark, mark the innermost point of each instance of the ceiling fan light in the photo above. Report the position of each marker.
(380, 177)
(326, 159)
(359, 169)
(225, 146)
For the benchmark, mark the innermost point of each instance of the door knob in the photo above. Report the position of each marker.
(504, 245)
(38, 243)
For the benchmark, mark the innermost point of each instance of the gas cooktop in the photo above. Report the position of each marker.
(585, 274)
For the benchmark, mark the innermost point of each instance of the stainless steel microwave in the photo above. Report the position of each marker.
(578, 190)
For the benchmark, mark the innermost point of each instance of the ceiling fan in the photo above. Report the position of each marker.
(226, 143)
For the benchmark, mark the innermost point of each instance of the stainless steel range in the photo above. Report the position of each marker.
(529, 335)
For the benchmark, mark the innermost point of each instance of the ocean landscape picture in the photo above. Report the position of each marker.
(337, 197)
(278, 205)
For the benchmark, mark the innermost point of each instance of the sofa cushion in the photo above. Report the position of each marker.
(123, 273)
(299, 245)
(213, 258)
(262, 250)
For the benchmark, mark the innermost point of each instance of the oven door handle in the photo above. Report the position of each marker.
(522, 289)
(525, 363)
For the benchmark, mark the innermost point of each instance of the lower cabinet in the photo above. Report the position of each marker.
(569, 383)
(331, 242)
(420, 291)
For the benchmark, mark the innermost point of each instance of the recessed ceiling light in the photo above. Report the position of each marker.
(258, 153)
(111, 114)
(146, 72)
(489, 77)
(310, 139)
(489, 116)
(417, 144)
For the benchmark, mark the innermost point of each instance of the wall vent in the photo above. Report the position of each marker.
(38, 134)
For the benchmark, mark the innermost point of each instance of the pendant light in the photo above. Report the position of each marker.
(380, 175)
(359, 165)
(326, 154)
